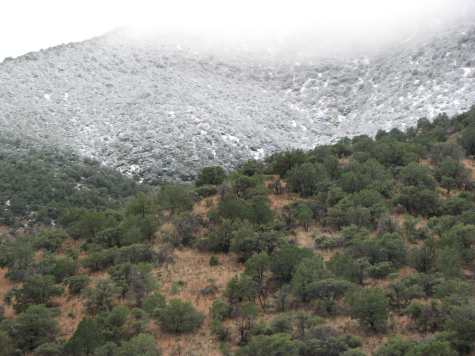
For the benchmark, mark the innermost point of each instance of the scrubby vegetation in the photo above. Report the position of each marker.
(364, 247)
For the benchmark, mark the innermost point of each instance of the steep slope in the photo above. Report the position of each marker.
(163, 112)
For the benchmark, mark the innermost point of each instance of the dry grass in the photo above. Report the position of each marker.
(280, 201)
(304, 238)
(5, 286)
(72, 311)
(470, 165)
(192, 271)
(203, 207)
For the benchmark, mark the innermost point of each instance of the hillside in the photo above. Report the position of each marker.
(362, 247)
(162, 112)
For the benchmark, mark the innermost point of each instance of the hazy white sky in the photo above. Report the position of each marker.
(29, 25)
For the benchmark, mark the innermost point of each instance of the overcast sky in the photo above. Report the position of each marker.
(29, 25)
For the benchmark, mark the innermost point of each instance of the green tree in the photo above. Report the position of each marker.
(102, 297)
(32, 328)
(49, 349)
(304, 215)
(142, 344)
(308, 179)
(211, 176)
(395, 347)
(176, 198)
(8, 345)
(36, 289)
(461, 323)
(467, 140)
(86, 338)
(309, 271)
(370, 307)
(418, 176)
(179, 317)
(273, 345)
(286, 260)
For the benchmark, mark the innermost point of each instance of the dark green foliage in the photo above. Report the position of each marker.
(461, 238)
(211, 176)
(32, 328)
(286, 260)
(273, 345)
(242, 288)
(418, 201)
(401, 292)
(416, 175)
(102, 296)
(49, 349)
(308, 272)
(179, 317)
(400, 347)
(282, 163)
(135, 282)
(304, 215)
(50, 239)
(214, 261)
(58, 267)
(370, 174)
(446, 151)
(45, 181)
(370, 307)
(36, 289)
(142, 344)
(427, 317)
(87, 337)
(325, 341)
(467, 140)
(7, 343)
(176, 198)
(451, 174)
(76, 284)
(461, 322)
(349, 268)
(17, 256)
(308, 179)
(153, 303)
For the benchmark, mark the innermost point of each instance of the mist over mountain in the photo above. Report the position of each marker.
(163, 109)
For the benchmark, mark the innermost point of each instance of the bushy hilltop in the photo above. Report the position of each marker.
(362, 247)
(162, 111)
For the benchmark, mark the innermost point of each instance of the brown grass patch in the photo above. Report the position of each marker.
(279, 201)
(203, 207)
(5, 286)
(470, 166)
(304, 238)
(72, 311)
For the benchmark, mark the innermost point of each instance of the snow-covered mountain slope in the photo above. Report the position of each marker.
(164, 112)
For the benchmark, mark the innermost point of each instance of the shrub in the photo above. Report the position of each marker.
(33, 327)
(370, 307)
(76, 284)
(50, 239)
(36, 289)
(179, 317)
(211, 176)
(142, 344)
(86, 338)
(273, 345)
(214, 261)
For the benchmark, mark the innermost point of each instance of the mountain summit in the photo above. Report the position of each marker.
(165, 111)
